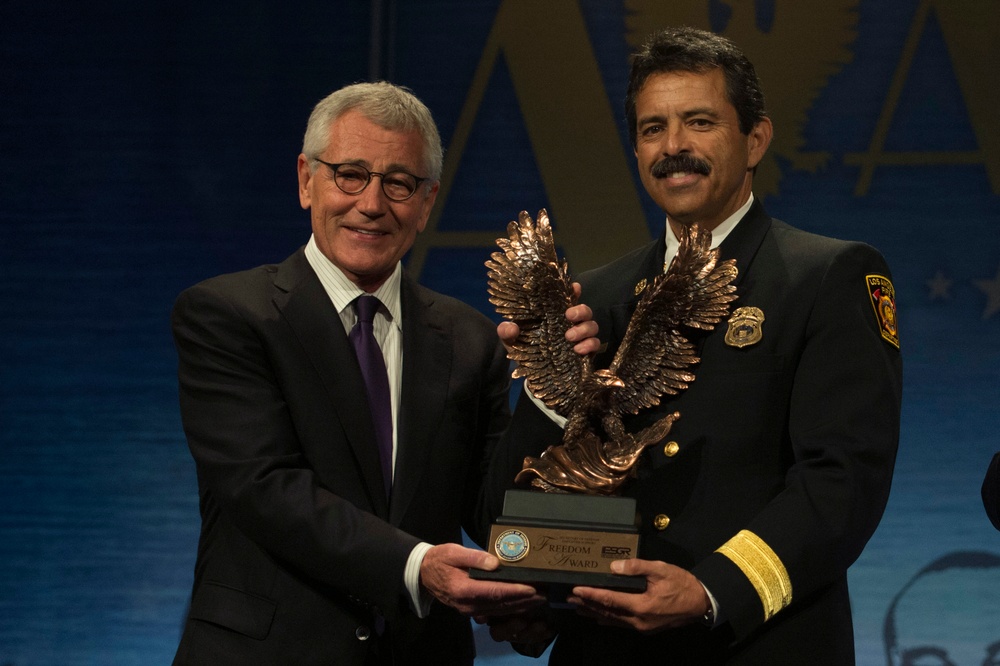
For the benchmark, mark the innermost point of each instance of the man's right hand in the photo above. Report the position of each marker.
(444, 575)
(583, 332)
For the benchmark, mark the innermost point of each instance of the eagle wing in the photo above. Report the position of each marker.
(531, 287)
(655, 357)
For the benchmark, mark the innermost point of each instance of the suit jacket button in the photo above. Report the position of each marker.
(362, 633)
(661, 521)
(671, 448)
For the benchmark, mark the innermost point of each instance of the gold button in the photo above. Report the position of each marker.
(640, 286)
(660, 522)
(671, 449)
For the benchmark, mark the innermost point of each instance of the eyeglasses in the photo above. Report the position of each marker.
(354, 178)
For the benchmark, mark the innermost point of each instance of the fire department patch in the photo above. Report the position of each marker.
(884, 302)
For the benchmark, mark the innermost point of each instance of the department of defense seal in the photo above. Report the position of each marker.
(745, 327)
(512, 545)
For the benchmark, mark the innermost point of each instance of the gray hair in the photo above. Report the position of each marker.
(385, 104)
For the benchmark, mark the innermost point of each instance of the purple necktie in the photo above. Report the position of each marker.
(376, 380)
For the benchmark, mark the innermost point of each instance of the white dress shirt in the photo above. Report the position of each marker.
(388, 327)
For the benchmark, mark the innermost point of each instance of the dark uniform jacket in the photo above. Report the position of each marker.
(777, 472)
(301, 556)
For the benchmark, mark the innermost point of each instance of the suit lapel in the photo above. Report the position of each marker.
(305, 305)
(427, 366)
(743, 242)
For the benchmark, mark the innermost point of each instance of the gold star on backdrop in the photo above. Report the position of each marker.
(939, 286)
(992, 290)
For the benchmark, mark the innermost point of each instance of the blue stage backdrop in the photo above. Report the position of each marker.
(147, 145)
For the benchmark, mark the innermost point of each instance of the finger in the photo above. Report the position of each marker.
(602, 612)
(501, 593)
(477, 559)
(495, 598)
(606, 602)
(455, 555)
(597, 595)
(624, 567)
(579, 313)
(479, 602)
(581, 331)
(588, 346)
(508, 331)
(604, 618)
(637, 567)
(484, 561)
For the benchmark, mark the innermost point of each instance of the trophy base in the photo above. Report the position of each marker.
(558, 541)
(558, 584)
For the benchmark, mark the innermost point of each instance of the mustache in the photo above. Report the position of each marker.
(675, 163)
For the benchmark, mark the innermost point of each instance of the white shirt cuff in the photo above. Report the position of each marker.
(715, 606)
(419, 602)
(558, 420)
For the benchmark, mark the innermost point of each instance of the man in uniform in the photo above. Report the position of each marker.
(777, 472)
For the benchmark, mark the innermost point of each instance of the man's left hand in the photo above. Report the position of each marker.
(673, 597)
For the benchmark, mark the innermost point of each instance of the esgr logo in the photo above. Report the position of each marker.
(616, 552)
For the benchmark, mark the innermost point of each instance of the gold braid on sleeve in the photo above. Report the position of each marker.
(763, 569)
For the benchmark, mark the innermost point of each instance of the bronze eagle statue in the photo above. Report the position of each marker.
(531, 286)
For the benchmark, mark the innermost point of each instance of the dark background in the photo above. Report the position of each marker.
(145, 146)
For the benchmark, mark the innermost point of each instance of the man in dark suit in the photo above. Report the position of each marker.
(777, 472)
(333, 495)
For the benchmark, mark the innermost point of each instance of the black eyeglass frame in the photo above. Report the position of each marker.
(334, 167)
